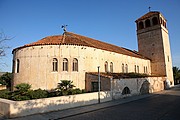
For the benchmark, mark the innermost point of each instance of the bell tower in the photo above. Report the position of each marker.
(153, 43)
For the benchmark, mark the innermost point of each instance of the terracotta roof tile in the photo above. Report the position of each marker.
(147, 15)
(69, 38)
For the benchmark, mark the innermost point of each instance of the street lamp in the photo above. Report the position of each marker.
(99, 86)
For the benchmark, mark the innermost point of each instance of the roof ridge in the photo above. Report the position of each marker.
(79, 37)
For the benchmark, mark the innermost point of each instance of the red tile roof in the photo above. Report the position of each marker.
(69, 38)
(147, 15)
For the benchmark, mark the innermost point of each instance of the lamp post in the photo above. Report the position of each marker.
(99, 86)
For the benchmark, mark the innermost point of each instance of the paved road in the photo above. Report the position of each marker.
(164, 106)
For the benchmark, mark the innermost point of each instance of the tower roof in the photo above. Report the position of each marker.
(69, 38)
(147, 15)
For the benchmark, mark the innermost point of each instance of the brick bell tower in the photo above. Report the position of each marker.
(153, 43)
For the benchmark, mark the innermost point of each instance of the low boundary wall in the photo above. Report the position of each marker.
(11, 109)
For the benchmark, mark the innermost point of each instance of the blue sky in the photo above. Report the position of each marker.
(110, 21)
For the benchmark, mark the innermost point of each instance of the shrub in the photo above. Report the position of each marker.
(76, 91)
(36, 94)
(4, 94)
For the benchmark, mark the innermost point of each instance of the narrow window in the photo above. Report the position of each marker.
(65, 64)
(126, 68)
(135, 68)
(75, 64)
(106, 66)
(147, 23)
(122, 68)
(55, 65)
(111, 67)
(168, 58)
(155, 21)
(146, 70)
(18, 65)
(13, 67)
(141, 25)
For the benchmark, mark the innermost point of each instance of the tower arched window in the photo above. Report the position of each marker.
(75, 64)
(65, 64)
(111, 67)
(55, 65)
(165, 24)
(135, 68)
(161, 20)
(141, 25)
(17, 65)
(126, 68)
(106, 66)
(122, 68)
(147, 23)
(154, 20)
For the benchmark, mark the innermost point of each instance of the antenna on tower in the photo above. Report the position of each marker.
(149, 8)
(64, 27)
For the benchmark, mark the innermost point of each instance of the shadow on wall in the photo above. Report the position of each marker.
(23, 108)
(145, 87)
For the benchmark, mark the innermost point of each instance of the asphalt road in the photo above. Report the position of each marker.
(165, 106)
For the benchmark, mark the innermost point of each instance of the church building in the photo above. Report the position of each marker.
(43, 64)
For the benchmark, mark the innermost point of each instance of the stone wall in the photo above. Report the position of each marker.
(36, 64)
(137, 86)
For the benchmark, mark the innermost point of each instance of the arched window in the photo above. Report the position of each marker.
(137, 69)
(18, 65)
(126, 91)
(106, 66)
(111, 67)
(147, 23)
(126, 68)
(161, 20)
(141, 25)
(65, 64)
(13, 66)
(75, 64)
(155, 21)
(55, 65)
(122, 68)
(146, 70)
(165, 24)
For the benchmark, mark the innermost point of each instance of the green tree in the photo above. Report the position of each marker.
(21, 92)
(176, 74)
(65, 87)
(6, 79)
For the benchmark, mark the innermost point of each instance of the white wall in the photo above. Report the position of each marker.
(22, 108)
(36, 64)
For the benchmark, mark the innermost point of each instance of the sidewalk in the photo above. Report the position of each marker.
(84, 109)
